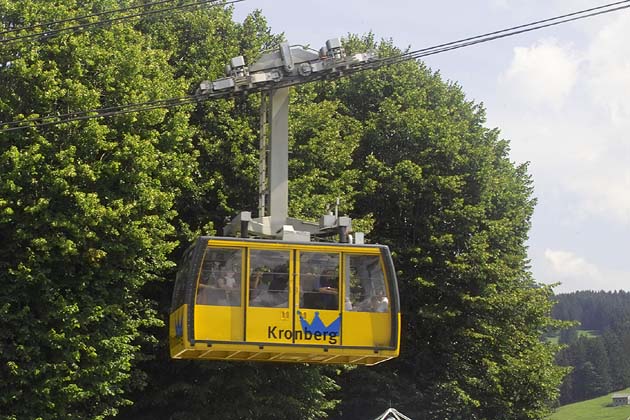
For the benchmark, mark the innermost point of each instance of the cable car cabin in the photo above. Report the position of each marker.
(263, 300)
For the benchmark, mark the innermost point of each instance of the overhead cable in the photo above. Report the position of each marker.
(49, 33)
(412, 55)
(72, 19)
(98, 113)
(491, 36)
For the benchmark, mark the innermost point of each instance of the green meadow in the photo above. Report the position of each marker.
(596, 409)
(581, 333)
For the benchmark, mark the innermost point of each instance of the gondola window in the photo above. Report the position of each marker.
(365, 284)
(269, 279)
(319, 279)
(220, 278)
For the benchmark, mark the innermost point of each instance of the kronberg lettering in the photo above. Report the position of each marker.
(315, 330)
(276, 333)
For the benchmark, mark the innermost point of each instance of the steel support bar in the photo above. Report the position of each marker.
(279, 158)
(262, 164)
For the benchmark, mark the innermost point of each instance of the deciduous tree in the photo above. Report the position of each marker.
(456, 211)
(86, 210)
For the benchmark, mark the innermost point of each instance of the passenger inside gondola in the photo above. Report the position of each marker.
(327, 290)
(373, 303)
(324, 293)
(272, 289)
(209, 292)
(365, 284)
(256, 283)
(220, 279)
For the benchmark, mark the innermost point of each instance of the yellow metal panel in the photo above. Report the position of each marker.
(269, 325)
(221, 243)
(178, 331)
(277, 334)
(291, 354)
(366, 329)
(220, 323)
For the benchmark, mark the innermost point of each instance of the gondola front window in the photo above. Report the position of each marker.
(365, 284)
(319, 280)
(179, 292)
(269, 279)
(220, 278)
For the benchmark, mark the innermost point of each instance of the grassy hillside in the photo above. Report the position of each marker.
(581, 333)
(595, 409)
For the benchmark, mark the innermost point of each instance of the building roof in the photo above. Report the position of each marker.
(392, 414)
(621, 396)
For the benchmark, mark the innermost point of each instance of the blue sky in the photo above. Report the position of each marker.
(561, 95)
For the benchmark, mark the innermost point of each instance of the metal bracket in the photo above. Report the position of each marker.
(289, 66)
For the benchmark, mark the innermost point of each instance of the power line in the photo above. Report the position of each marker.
(47, 34)
(112, 111)
(516, 30)
(74, 116)
(412, 55)
(99, 113)
(106, 21)
(107, 12)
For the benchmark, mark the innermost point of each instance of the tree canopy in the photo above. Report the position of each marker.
(94, 215)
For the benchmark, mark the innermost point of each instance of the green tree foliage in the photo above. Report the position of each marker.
(196, 391)
(456, 211)
(225, 141)
(323, 140)
(616, 343)
(89, 210)
(94, 212)
(594, 310)
(86, 211)
(600, 363)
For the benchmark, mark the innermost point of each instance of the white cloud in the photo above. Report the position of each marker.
(503, 4)
(604, 192)
(576, 273)
(567, 264)
(609, 68)
(543, 74)
(565, 106)
(582, 152)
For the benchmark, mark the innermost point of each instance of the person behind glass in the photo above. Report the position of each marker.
(272, 288)
(379, 303)
(229, 281)
(328, 290)
(256, 285)
(210, 290)
(373, 303)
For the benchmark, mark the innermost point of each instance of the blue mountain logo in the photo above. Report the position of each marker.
(318, 326)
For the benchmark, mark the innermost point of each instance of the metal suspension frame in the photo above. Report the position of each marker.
(273, 73)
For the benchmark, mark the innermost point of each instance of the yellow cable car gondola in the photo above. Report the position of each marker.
(265, 300)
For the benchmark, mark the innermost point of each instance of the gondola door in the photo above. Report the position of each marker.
(368, 316)
(218, 309)
(269, 313)
(318, 311)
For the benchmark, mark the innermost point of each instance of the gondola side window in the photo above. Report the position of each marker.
(183, 275)
(365, 284)
(269, 278)
(319, 280)
(220, 278)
